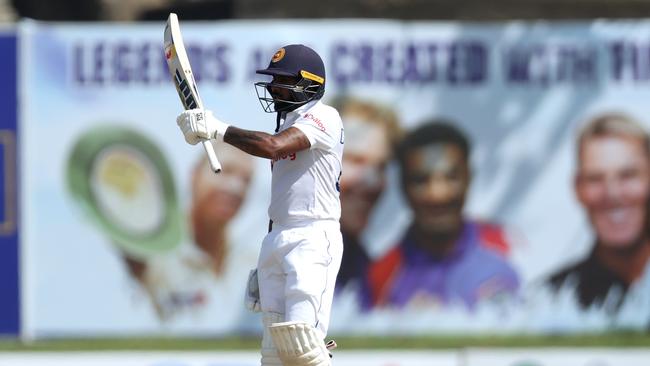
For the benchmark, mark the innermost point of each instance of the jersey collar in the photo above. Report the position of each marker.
(303, 108)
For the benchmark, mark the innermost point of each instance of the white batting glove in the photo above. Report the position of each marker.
(252, 299)
(199, 124)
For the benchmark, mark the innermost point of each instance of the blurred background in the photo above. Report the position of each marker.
(143, 10)
(495, 188)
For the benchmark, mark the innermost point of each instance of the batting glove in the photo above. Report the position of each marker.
(198, 124)
(252, 299)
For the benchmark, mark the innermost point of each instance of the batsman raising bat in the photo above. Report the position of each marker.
(301, 255)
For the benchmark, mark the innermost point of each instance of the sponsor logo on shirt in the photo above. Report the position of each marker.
(283, 157)
(316, 121)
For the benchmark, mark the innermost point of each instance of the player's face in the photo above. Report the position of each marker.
(613, 184)
(281, 94)
(436, 178)
(362, 181)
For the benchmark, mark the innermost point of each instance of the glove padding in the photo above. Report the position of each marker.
(252, 299)
(199, 124)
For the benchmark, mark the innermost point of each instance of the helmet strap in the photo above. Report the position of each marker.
(278, 118)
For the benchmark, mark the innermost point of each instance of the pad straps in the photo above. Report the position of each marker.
(269, 352)
(299, 344)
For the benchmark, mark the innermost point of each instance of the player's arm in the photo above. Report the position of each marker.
(266, 145)
(198, 124)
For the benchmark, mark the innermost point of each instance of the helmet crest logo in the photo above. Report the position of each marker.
(278, 55)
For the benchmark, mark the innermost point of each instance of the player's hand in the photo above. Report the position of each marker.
(252, 299)
(199, 124)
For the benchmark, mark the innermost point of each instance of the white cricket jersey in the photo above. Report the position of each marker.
(305, 185)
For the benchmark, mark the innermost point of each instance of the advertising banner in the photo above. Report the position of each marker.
(224, 358)
(9, 269)
(516, 201)
(467, 357)
(556, 357)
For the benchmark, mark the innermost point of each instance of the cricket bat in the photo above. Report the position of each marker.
(181, 72)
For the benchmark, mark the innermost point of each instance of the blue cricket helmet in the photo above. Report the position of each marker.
(297, 61)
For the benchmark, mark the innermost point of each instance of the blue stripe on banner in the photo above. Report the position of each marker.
(9, 271)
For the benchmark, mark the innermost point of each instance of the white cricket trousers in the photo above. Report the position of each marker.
(297, 270)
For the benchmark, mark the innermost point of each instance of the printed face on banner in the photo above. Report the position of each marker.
(364, 162)
(613, 185)
(436, 181)
(218, 197)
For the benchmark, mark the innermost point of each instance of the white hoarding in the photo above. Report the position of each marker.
(122, 234)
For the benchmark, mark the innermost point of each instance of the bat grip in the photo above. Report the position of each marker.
(212, 156)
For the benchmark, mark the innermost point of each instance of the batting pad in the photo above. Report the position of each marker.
(298, 344)
(269, 352)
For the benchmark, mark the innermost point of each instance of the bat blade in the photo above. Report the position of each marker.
(181, 72)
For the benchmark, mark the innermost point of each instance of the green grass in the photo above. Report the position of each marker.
(405, 343)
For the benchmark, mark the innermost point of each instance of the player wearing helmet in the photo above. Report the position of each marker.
(301, 255)
(302, 76)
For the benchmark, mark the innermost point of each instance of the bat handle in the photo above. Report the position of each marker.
(212, 156)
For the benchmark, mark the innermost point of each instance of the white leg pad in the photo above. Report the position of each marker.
(269, 352)
(299, 344)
